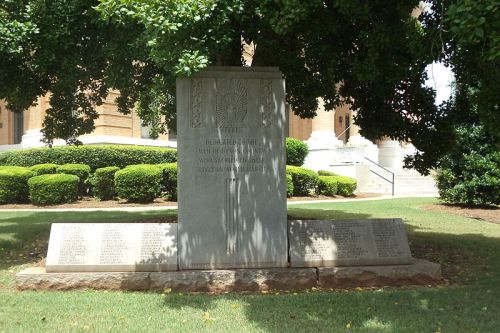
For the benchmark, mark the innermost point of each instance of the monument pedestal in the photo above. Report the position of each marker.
(420, 272)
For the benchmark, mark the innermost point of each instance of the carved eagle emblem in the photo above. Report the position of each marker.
(231, 101)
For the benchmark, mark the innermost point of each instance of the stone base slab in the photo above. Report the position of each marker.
(420, 272)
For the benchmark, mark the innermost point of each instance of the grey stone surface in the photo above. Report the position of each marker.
(36, 278)
(232, 188)
(328, 243)
(112, 247)
(418, 273)
(236, 280)
(421, 272)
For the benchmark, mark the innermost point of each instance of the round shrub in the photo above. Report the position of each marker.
(345, 185)
(139, 183)
(327, 186)
(169, 180)
(476, 182)
(94, 156)
(304, 180)
(80, 170)
(326, 173)
(289, 186)
(103, 183)
(469, 174)
(14, 184)
(44, 169)
(296, 152)
(53, 189)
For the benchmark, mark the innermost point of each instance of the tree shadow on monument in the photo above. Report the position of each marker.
(232, 184)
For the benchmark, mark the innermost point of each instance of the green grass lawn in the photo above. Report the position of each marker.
(467, 248)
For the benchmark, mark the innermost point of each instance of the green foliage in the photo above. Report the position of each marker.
(345, 185)
(14, 184)
(470, 174)
(327, 185)
(289, 186)
(139, 183)
(103, 183)
(82, 171)
(75, 50)
(94, 156)
(326, 173)
(53, 189)
(304, 180)
(169, 180)
(296, 152)
(44, 169)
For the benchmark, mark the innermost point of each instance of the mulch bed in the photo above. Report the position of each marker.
(88, 202)
(323, 197)
(489, 214)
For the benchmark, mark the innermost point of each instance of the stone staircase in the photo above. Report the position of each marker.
(406, 182)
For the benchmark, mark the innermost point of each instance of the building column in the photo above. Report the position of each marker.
(390, 154)
(33, 120)
(323, 141)
(323, 130)
(363, 146)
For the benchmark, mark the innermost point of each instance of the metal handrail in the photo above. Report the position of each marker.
(338, 136)
(387, 180)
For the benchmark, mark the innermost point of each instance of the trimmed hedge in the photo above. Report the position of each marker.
(326, 173)
(304, 180)
(169, 180)
(53, 189)
(296, 152)
(82, 171)
(44, 169)
(139, 183)
(94, 156)
(103, 183)
(327, 186)
(14, 184)
(345, 185)
(289, 186)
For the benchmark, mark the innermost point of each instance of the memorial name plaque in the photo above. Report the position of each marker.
(112, 247)
(232, 188)
(348, 243)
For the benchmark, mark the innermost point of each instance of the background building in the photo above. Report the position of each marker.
(333, 139)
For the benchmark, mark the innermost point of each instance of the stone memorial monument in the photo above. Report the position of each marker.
(348, 243)
(232, 231)
(112, 247)
(232, 200)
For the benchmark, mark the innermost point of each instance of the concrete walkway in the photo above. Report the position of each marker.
(155, 208)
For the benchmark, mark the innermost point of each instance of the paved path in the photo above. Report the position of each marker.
(155, 208)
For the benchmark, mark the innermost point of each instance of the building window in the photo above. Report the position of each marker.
(145, 132)
(18, 127)
(347, 128)
(172, 135)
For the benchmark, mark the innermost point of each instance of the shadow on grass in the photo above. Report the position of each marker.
(469, 305)
(324, 214)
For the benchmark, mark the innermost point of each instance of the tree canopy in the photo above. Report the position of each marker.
(371, 54)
